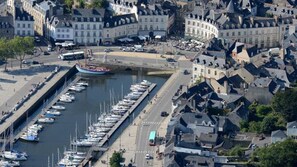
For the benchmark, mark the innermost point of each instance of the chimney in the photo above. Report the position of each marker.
(252, 20)
(226, 86)
(275, 19)
(240, 20)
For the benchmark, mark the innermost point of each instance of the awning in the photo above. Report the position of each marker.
(141, 37)
(125, 40)
(158, 36)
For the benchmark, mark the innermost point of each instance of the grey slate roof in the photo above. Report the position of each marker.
(46, 5)
(208, 137)
(278, 134)
(63, 21)
(292, 124)
(114, 21)
(20, 14)
(5, 22)
(88, 15)
(213, 61)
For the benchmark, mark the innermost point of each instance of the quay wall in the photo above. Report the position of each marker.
(31, 107)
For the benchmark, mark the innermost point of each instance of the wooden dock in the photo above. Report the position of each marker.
(47, 107)
(99, 146)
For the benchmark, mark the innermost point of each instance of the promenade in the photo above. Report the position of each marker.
(17, 83)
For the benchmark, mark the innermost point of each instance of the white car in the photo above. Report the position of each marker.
(147, 156)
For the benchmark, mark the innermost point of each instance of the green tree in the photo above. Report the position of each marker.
(21, 46)
(69, 4)
(99, 4)
(279, 154)
(263, 110)
(81, 3)
(286, 104)
(236, 151)
(5, 51)
(255, 127)
(269, 124)
(116, 159)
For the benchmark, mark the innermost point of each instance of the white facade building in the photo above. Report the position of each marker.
(119, 26)
(59, 29)
(121, 8)
(88, 26)
(23, 23)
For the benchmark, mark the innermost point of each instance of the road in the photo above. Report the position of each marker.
(152, 120)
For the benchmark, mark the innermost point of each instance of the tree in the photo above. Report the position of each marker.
(236, 151)
(99, 4)
(82, 4)
(263, 110)
(269, 124)
(279, 154)
(255, 127)
(116, 159)
(69, 4)
(21, 46)
(286, 104)
(5, 51)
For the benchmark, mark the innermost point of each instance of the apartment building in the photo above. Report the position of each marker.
(119, 26)
(88, 26)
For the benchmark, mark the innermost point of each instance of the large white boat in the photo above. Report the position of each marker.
(53, 112)
(46, 120)
(58, 107)
(4, 163)
(15, 156)
(65, 99)
(29, 137)
(77, 88)
(82, 143)
(90, 69)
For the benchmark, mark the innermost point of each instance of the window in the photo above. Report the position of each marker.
(151, 20)
(18, 25)
(140, 20)
(58, 30)
(76, 33)
(193, 23)
(145, 19)
(29, 26)
(28, 33)
(82, 33)
(75, 26)
(100, 26)
(94, 34)
(88, 26)
(88, 34)
(140, 27)
(82, 26)
(227, 34)
(94, 27)
(67, 30)
(18, 32)
(162, 20)
(201, 70)
(58, 35)
(208, 71)
(24, 25)
(256, 32)
(107, 35)
(239, 33)
(233, 33)
(195, 69)
(157, 19)
(215, 72)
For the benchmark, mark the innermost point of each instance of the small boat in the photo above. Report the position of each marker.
(58, 107)
(145, 83)
(76, 88)
(46, 120)
(75, 152)
(90, 69)
(82, 83)
(53, 112)
(82, 143)
(68, 96)
(46, 115)
(36, 127)
(4, 163)
(14, 156)
(29, 137)
(65, 99)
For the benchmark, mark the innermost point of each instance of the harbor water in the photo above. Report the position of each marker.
(102, 91)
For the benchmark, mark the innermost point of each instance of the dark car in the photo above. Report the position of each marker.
(46, 53)
(35, 62)
(164, 114)
(152, 51)
(170, 60)
(186, 72)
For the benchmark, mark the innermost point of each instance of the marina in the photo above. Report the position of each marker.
(70, 107)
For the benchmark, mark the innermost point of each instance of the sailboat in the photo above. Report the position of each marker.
(91, 69)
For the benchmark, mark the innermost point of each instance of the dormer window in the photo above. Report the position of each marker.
(115, 23)
(107, 24)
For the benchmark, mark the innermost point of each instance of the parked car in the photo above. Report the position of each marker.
(107, 50)
(170, 60)
(35, 62)
(37, 39)
(164, 114)
(46, 53)
(147, 156)
(152, 51)
(186, 72)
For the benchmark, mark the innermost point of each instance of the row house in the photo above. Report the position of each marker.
(88, 25)
(59, 28)
(119, 26)
(6, 27)
(23, 23)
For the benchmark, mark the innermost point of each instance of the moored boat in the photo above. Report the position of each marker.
(90, 69)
